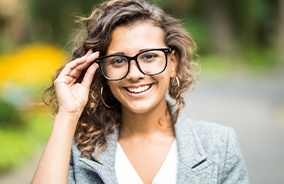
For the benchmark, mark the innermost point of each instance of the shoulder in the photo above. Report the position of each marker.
(214, 137)
(213, 140)
(206, 131)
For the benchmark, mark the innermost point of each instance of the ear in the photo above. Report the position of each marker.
(173, 63)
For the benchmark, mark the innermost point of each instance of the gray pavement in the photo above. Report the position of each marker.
(254, 107)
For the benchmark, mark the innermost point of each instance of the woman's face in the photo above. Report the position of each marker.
(137, 92)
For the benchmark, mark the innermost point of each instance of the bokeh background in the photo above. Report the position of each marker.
(241, 84)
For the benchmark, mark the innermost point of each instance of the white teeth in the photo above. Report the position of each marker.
(139, 89)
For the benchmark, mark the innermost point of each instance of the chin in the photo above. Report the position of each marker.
(139, 109)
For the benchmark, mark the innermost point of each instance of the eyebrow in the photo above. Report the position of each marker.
(122, 53)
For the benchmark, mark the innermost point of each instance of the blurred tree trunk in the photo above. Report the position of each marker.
(13, 28)
(280, 25)
(280, 33)
(221, 26)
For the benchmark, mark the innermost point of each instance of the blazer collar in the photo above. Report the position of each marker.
(190, 148)
(190, 151)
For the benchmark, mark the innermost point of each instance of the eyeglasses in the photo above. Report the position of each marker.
(150, 62)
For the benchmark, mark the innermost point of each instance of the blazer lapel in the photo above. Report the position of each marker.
(190, 152)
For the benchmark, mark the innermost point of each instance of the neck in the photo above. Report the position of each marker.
(144, 124)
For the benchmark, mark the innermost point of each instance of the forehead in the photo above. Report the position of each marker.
(134, 37)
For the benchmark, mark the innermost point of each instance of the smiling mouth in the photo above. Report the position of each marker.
(139, 89)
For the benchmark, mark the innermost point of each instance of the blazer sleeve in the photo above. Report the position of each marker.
(234, 170)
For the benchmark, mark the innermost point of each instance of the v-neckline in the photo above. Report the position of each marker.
(126, 173)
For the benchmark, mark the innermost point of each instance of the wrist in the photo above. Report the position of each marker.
(67, 120)
(68, 114)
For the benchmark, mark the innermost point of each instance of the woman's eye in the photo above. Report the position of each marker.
(118, 61)
(149, 56)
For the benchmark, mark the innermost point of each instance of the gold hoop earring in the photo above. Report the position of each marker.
(178, 86)
(108, 106)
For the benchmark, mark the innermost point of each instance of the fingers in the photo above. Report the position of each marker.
(73, 69)
(89, 75)
(83, 62)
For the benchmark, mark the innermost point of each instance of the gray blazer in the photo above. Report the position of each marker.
(207, 153)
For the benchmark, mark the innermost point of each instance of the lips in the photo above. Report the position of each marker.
(139, 89)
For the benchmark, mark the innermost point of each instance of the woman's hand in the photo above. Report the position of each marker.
(72, 96)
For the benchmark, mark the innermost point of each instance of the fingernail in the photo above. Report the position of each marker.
(94, 55)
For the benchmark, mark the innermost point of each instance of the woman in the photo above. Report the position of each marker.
(112, 116)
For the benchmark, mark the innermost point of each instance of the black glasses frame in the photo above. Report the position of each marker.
(130, 58)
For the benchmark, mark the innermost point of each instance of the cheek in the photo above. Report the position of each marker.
(113, 87)
(164, 79)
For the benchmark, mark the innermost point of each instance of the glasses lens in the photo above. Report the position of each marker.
(114, 67)
(152, 62)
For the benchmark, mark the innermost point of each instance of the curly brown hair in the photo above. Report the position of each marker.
(97, 120)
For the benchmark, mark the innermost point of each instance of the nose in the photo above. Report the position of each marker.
(134, 71)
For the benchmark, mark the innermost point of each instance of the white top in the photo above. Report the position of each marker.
(126, 174)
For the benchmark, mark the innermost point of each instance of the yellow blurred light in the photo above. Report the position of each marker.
(30, 64)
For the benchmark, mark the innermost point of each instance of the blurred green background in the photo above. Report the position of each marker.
(234, 37)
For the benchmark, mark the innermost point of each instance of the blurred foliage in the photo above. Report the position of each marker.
(53, 20)
(10, 117)
(18, 144)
